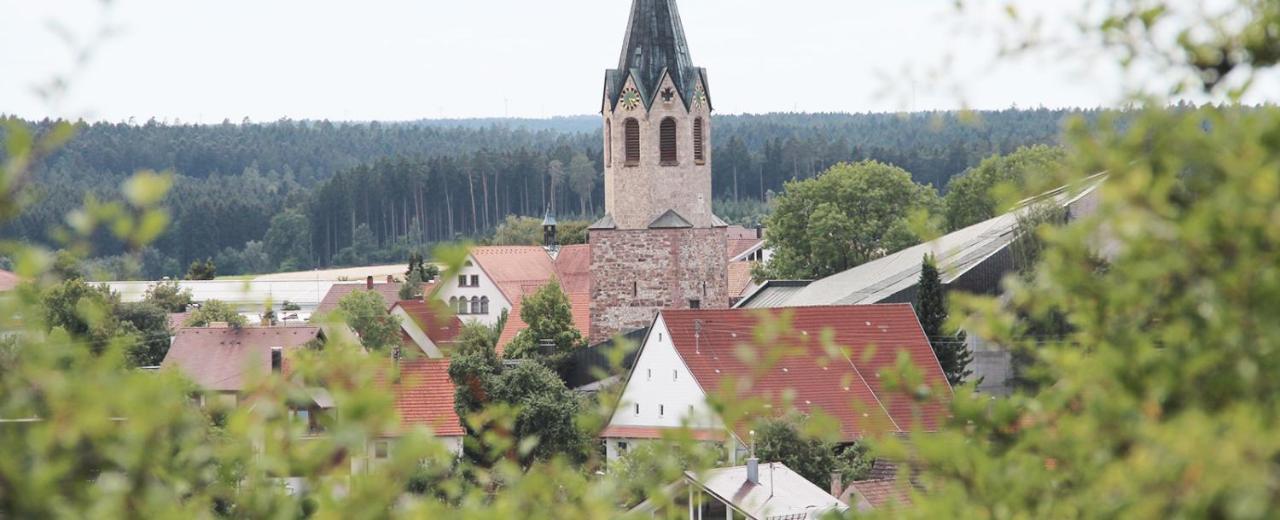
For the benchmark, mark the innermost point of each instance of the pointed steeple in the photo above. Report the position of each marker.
(655, 42)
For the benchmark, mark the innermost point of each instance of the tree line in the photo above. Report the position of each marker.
(258, 197)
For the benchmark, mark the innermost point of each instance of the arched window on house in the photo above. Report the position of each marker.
(453, 304)
(699, 137)
(631, 129)
(484, 305)
(475, 305)
(667, 142)
(608, 142)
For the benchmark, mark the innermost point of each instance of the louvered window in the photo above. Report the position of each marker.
(698, 154)
(633, 142)
(667, 142)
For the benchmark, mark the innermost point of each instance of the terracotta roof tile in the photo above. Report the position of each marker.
(573, 268)
(222, 359)
(881, 493)
(740, 281)
(440, 323)
(424, 396)
(738, 246)
(390, 293)
(849, 390)
(178, 320)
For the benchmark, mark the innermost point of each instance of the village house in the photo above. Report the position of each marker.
(423, 400)
(755, 491)
(429, 327)
(689, 356)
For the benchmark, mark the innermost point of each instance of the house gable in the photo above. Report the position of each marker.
(661, 393)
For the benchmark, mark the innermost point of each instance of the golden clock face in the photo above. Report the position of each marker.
(630, 98)
(699, 97)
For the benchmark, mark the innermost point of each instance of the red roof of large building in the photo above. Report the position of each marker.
(739, 279)
(390, 293)
(8, 281)
(222, 359)
(424, 396)
(435, 319)
(810, 375)
(519, 271)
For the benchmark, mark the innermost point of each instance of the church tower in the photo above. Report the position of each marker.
(659, 245)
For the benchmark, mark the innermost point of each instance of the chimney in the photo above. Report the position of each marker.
(368, 283)
(753, 471)
(759, 231)
(837, 484)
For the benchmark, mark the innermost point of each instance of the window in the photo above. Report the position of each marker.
(667, 142)
(277, 359)
(699, 156)
(462, 280)
(650, 375)
(622, 447)
(675, 375)
(484, 305)
(635, 289)
(381, 450)
(662, 410)
(460, 306)
(475, 280)
(637, 408)
(475, 305)
(632, 130)
(608, 142)
(695, 304)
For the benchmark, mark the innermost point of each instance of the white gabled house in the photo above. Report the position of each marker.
(688, 354)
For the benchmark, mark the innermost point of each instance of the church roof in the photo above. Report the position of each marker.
(655, 44)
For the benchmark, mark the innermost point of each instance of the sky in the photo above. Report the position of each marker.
(396, 60)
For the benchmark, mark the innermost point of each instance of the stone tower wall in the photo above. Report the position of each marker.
(636, 273)
(635, 195)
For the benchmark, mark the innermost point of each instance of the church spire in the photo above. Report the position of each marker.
(655, 42)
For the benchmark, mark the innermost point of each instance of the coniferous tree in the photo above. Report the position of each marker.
(931, 308)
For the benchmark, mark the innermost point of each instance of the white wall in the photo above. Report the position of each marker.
(419, 336)
(497, 302)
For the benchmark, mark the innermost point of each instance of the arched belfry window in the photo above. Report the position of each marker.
(699, 137)
(608, 142)
(632, 130)
(667, 142)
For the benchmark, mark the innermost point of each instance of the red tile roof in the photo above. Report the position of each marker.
(579, 303)
(424, 396)
(519, 271)
(848, 389)
(646, 432)
(881, 493)
(8, 281)
(573, 268)
(390, 293)
(222, 359)
(441, 324)
(739, 279)
(738, 246)
(178, 320)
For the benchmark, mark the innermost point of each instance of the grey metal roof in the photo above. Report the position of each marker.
(655, 43)
(774, 293)
(956, 254)
(670, 220)
(781, 493)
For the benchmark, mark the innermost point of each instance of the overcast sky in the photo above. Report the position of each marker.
(206, 60)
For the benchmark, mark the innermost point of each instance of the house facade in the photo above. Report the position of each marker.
(832, 365)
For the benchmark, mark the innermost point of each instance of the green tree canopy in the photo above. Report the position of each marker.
(851, 214)
(216, 311)
(366, 313)
(149, 324)
(549, 316)
(288, 240)
(976, 195)
(814, 458)
(202, 271)
(168, 296)
(931, 309)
